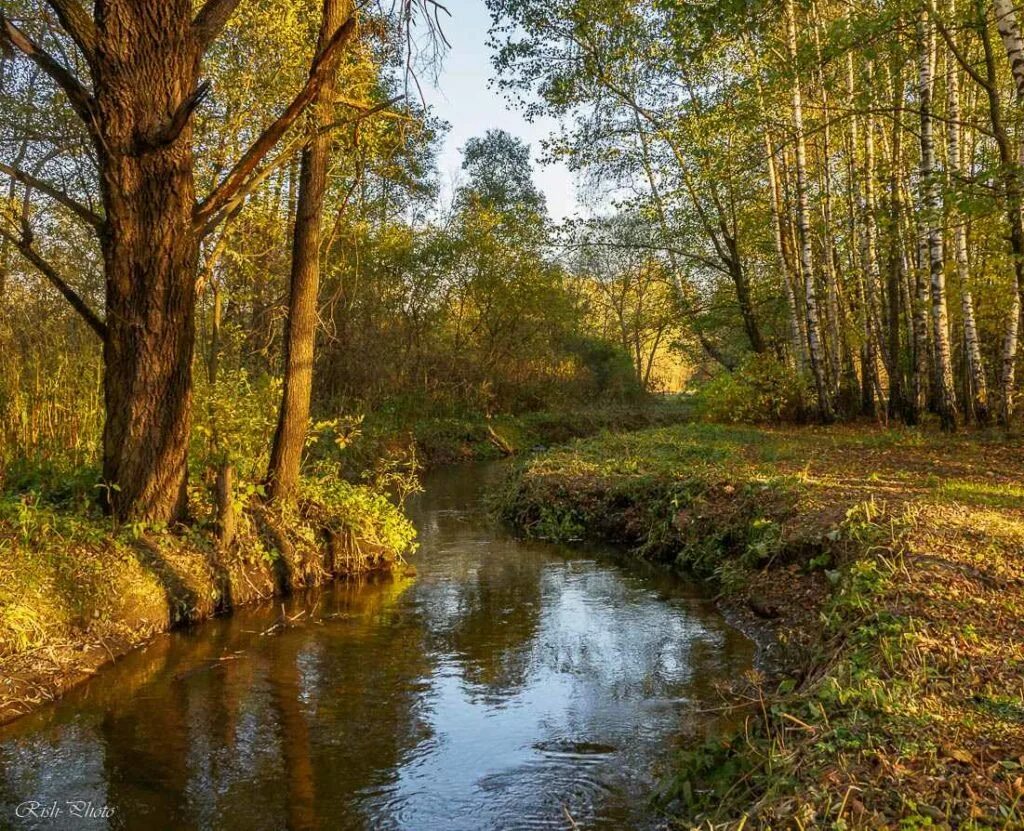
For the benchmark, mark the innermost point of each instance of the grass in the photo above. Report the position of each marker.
(462, 437)
(888, 565)
(76, 589)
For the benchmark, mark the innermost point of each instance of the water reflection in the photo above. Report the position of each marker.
(506, 685)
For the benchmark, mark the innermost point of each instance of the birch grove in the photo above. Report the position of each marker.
(865, 161)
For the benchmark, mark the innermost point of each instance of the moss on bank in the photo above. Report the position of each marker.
(888, 564)
(76, 591)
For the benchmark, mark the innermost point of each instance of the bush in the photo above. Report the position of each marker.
(762, 389)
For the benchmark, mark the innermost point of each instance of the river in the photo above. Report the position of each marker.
(507, 685)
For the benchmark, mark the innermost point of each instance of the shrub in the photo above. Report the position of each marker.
(762, 389)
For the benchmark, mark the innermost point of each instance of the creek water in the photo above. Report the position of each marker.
(507, 685)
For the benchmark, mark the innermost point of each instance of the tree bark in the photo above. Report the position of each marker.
(1011, 193)
(944, 389)
(871, 272)
(978, 400)
(300, 326)
(815, 349)
(147, 64)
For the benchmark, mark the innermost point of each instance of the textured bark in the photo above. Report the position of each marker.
(943, 389)
(1012, 196)
(1009, 32)
(972, 349)
(300, 326)
(815, 348)
(147, 63)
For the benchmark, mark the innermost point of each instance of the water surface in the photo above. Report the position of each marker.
(508, 685)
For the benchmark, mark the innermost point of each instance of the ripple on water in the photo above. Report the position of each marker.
(511, 685)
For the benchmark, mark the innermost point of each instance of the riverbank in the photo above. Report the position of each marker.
(77, 592)
(454, 439)
(888, 566)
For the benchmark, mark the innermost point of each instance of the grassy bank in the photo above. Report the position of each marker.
(888, 566)
(76, 590)
(441, 439)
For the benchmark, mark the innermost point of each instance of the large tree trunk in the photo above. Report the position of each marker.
(147, 61)
(815, 349)
(300, 326)
(944, 390)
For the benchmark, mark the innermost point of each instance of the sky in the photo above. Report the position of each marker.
(464, 98)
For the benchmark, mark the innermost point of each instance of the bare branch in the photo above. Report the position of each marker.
(79, 96)
(24, 245)
(323, 65)
(211, 20)
(77, 22)
(54, 193)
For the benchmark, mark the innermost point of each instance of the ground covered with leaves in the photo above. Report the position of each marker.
(888, 567)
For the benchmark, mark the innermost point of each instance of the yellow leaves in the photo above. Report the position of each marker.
(958, 754)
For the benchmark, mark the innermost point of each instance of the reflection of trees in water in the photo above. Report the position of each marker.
(495, 622)
(283, 736)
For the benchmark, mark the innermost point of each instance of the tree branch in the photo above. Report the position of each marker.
(59, 196)
(81, 100)
(24, 245)
(211, 20)
(248, 186)
(172, 129)
(322, 66)
(76, 22)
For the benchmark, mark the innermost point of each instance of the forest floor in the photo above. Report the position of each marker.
(888, 566)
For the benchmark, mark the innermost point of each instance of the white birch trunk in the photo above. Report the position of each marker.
(945, 393)
(814, 345)
(972, 347)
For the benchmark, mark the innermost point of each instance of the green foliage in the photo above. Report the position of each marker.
(761, 390)
(235, 422)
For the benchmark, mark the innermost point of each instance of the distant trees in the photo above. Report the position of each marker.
(848, 172)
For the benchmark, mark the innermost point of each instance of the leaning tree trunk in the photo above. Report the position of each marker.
(815, 348)
(944, 390)
(147, 65)
(300, 326)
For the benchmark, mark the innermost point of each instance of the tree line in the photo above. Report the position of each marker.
(848, 175)
(208, 208)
